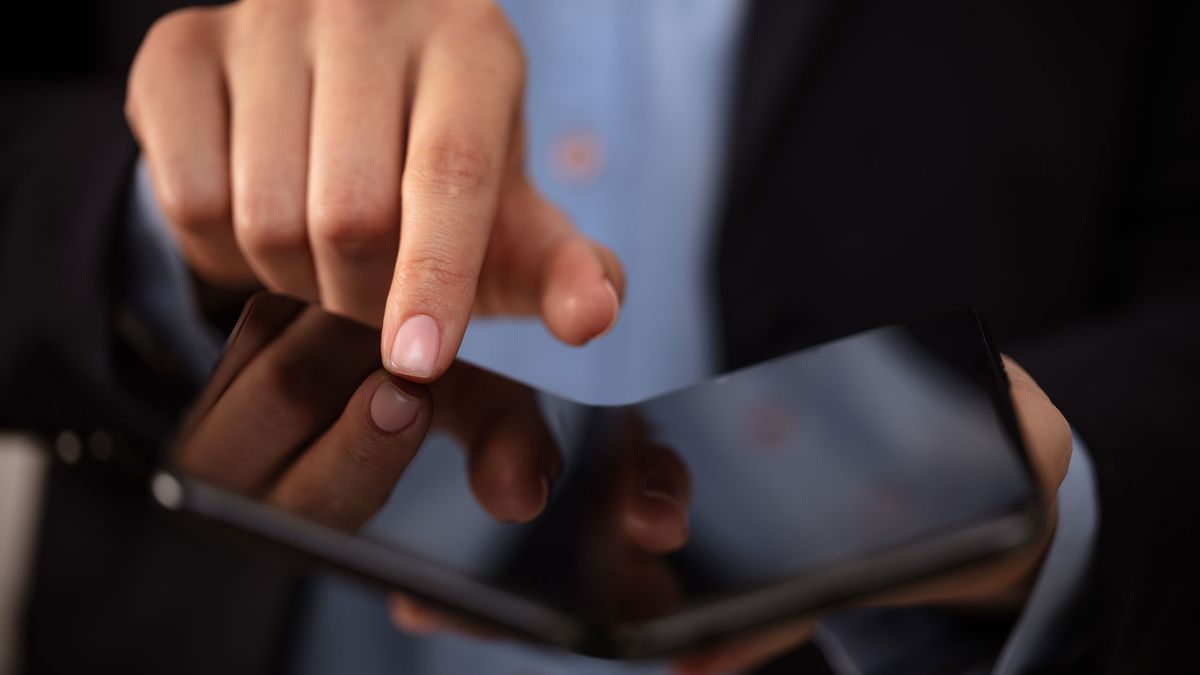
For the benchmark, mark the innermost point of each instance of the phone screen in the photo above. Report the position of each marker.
(807, 463)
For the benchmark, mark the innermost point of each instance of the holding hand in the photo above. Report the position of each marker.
(301, 416)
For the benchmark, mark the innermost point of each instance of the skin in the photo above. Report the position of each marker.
(311, 424)
(366, 154)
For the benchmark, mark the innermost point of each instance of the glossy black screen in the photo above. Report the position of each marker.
(891, 437)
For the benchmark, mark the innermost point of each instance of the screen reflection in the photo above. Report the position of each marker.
(764, 474)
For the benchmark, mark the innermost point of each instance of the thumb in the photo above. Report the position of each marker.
(1045, 429)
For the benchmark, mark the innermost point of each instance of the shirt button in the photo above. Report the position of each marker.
(578, 157)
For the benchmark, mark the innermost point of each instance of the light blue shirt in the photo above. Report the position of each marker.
(641, 89)
(626, 107)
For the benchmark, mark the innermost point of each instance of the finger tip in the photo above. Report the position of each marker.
(408, 617)
(513, 501)
(414, 351)
(615, 312)
(658, 522)
(534, 508)
(539, 503)
(580, 315)
(392, 408)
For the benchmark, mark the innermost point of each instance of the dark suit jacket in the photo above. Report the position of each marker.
(1039, 159)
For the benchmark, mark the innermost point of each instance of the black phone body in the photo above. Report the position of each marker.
(817, 478)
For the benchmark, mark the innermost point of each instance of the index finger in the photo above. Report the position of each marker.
(460, 136)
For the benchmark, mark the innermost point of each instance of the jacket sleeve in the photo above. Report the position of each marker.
(65, 165)
(1129, 382)
(66, 158)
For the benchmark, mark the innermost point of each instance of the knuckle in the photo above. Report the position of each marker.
(193, 203)
(450, 165)
(181, 29)
(179, 34)
(355, 227)
(266, 225)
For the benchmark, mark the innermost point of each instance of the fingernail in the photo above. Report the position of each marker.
(391, 409)
(415, 348)
(616, 303)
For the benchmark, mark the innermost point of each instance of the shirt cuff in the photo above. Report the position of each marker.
(922, 640)
(1044, 621)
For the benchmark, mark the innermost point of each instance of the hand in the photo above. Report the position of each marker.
(301, 416)
(1000, 586)
(367, 155)
(306, 420)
